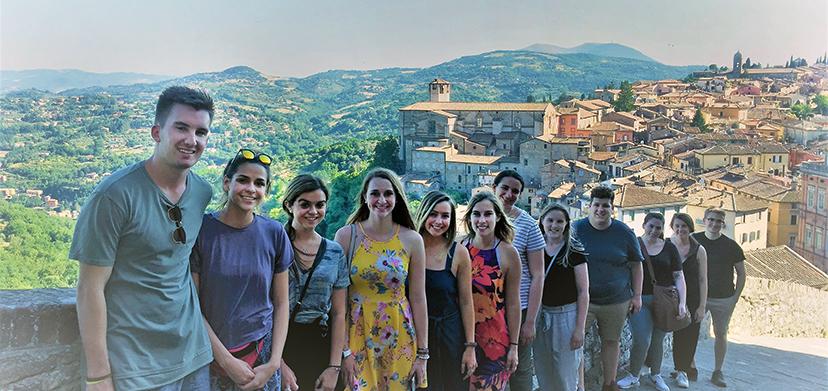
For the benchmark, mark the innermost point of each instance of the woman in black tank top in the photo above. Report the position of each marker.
(694, 263)
(448, 296)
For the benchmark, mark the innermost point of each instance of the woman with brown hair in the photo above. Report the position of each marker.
(388, 329)
(448, 292)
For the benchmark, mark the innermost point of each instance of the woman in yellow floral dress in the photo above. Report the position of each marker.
(388, 330)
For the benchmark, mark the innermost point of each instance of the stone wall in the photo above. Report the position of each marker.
(39, 340)
(780, 309)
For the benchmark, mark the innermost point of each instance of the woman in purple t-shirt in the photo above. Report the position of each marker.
(238, 265)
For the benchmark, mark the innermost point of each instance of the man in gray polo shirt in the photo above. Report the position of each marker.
(138, 310)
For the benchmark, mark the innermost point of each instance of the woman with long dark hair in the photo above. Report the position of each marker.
(448, 292)
(387, 329)
(319, 278)
(239, 265)
(559, 343)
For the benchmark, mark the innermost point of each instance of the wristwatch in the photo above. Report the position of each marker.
(346, 353)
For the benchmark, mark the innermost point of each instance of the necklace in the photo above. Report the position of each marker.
(303, 252)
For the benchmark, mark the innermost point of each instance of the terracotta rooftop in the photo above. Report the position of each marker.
(476, 106)
(472, 159)
(727, 149)
(712, 198)
(553, 139)
(783, 264)
(562, 190)
(632, 196)
(600, 156)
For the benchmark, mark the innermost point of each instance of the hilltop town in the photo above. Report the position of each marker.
(746, 139)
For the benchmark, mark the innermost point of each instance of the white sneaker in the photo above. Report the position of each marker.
(628, 381)
(681, 380)
(658, 382)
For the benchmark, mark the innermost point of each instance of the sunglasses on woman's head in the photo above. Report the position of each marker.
(249, 154)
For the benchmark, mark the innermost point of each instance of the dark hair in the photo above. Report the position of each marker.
(503, 228)
(399, 215)
(427, 205)
(653, 215)
(233, 166)
(302, 184)
(602, 192)
(657, 216)
(686, 219)
(716, 211)
(509, 174)
(194, 97)
(572, 244)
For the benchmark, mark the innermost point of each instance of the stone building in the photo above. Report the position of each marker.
(812, 243)
(459, 140)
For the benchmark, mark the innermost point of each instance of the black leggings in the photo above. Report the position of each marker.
(684, 346)
(307, 353)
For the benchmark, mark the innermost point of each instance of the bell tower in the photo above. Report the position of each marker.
(440, 90)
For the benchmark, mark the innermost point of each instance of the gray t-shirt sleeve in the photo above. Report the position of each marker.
(98, 231)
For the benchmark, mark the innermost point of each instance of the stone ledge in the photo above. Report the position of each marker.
(38, 317)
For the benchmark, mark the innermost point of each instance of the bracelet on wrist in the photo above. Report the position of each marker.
(335, 367)
(470, 344)
(423, 357)
(346, 353)
(97, 380)
(513, 344)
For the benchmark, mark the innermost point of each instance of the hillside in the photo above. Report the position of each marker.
(63, 142)
(63, 79)
(598, 49)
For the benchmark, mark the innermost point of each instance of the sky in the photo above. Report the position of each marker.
(300, 38)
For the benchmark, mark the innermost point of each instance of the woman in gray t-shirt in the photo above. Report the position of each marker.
(319, 278)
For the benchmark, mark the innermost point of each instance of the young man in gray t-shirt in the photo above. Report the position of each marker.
(138, 311)
(615, 276)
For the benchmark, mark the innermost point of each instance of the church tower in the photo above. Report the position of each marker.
(737, 64)
(440, 90)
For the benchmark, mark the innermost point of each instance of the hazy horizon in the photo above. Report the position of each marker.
(293, 39)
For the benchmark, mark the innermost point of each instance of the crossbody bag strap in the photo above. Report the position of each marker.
(648, 261)
(319, 255)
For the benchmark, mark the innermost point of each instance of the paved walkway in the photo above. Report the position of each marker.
(761, 363)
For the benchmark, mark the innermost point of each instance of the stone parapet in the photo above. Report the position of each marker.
(39, 340)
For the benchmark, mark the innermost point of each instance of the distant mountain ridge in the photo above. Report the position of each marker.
(57, 80)
(600, 49)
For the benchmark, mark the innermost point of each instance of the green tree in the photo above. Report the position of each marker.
(626, 99)
(386, 154)
(699, 122)
(530, 99)
(821, 102)
(802, 110)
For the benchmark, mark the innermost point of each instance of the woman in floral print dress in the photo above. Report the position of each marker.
(495, 292)
(388, 331)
